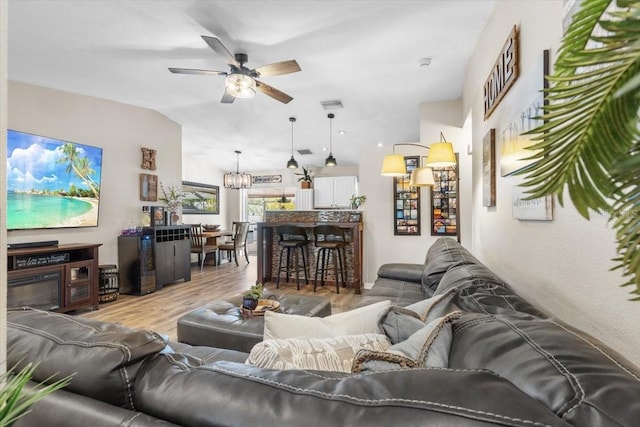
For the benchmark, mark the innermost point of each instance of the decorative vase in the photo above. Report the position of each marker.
(249, 303)
(305, 185)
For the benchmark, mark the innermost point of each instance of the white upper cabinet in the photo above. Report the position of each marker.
(334, 192)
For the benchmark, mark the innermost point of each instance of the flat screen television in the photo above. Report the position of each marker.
(51, 183)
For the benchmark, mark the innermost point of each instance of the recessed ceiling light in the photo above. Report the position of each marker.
(425, 62)
(342, 132)
(379, 144)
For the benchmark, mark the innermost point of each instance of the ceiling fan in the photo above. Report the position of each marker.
(241, 81)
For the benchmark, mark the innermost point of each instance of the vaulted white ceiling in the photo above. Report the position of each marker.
(365, 53)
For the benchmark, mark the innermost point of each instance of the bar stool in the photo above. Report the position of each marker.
(331, 241)
(292, 237)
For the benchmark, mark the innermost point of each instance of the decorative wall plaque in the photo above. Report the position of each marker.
(148, 159)
(489, 168)
(503, 74)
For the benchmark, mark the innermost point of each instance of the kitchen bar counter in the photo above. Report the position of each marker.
(268, 249)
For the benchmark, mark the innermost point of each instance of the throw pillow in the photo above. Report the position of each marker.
(399, 323)
(319, 354)
(362, 320)
(428, 346)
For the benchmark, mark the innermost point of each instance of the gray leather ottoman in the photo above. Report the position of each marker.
(220, 324)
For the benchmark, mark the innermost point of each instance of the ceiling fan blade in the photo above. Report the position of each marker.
(284, 67)
(217, 46)
(227, 99)
(199, 72)
(273, 92)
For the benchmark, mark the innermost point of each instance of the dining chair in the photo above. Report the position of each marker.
(240, 231)
(199, 244)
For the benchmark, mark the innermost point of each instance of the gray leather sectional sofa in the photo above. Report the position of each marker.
(509, 365)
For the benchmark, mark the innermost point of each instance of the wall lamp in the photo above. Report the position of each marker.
(440, 155)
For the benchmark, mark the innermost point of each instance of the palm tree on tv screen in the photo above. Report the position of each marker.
(80, 166)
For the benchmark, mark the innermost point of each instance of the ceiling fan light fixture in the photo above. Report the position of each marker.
(240, 85)
(330, 161)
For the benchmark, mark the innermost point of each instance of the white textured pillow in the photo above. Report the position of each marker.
(318, 354)
(363, 320)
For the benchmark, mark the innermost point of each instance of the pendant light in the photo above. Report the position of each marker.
(330, 161)
(292, 163)
(237, 180)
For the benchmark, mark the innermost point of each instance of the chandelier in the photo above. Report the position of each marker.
(237, 180)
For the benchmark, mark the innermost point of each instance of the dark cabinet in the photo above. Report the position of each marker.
(172, 254)
(137, 273)
(58, 277)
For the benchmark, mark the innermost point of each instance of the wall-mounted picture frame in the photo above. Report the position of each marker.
(200, 198)
(525, 209)
(148, 158)
(158, 217)
(148, 187)
(266, 179)
(489, 169)
(355, 217)
(445, 202)
(406, 202)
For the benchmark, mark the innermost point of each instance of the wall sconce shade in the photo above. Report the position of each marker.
(292, 163)
(240, 85)
(237, 180)
(330, 161)
(393, 165)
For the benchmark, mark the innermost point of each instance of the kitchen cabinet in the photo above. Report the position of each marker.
(334, 191)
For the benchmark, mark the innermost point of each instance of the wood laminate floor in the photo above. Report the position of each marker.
(159, 311)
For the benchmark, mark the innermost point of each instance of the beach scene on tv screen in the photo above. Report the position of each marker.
(51, 183)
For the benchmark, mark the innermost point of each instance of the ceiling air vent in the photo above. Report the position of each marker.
(304, 152)
(334, 104)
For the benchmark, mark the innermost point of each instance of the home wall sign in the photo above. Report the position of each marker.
(266, 179)
(503, 74)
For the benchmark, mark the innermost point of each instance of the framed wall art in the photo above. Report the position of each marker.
(200, 198)
(489, 168)
(444, 202)
(406, 201)
(148, 187)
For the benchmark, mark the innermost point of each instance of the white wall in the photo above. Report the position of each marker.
(561, 266)
(380, 244)
(120, 130)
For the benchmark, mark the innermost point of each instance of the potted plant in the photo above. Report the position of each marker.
(14, 401)
(251, 296)
(356, 201)
(174, 197)
(305, 178)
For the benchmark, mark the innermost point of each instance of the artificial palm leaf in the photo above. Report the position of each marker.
(589, 142)
(15, 401)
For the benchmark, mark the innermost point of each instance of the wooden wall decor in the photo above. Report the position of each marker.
(489, 168)
(148, 187)
(148, 159)
(503, 74)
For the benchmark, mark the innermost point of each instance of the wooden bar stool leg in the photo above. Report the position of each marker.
(297, 268)
(279, 268)
(288, 264)
(315, 278)
(335, 270)
(304, 265)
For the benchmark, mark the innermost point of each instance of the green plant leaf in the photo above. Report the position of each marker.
(588, 144)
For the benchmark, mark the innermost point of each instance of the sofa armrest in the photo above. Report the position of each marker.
(404, 272)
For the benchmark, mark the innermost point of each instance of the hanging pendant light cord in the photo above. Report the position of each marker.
(331, 116)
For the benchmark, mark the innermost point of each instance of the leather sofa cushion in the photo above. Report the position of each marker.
(402, 272)
(578, 378)
(225, 394)
(397, 291)
(104, 358)
(443, 254)
(480, 290)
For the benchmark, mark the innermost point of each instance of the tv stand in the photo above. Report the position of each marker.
(59, 278)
